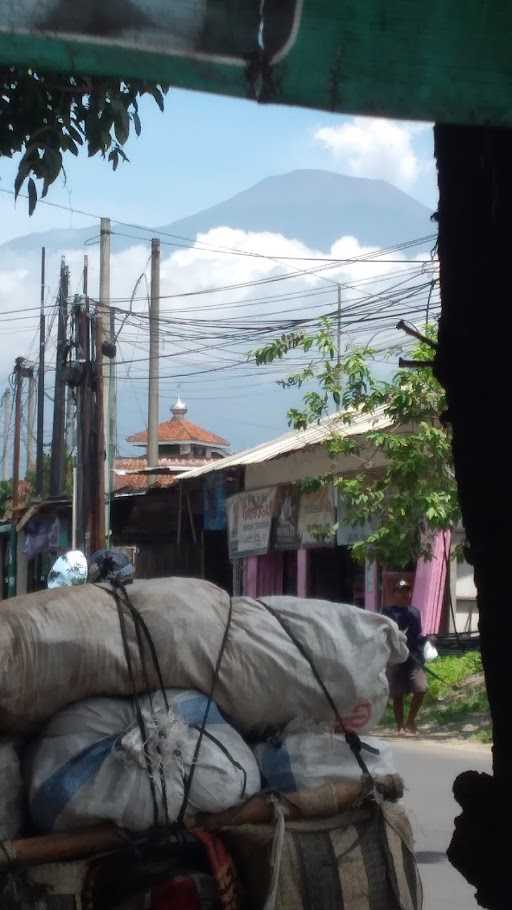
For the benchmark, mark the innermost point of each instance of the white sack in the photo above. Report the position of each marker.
(60, 646)
(11, 791)
(89, 764)
(309, 759)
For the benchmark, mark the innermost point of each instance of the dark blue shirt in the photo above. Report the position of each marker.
(408, 620)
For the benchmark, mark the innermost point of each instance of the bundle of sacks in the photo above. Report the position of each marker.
(98, 753)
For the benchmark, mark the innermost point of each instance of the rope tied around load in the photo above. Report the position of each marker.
(354, 742)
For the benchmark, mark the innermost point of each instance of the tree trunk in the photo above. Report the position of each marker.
(475, 252)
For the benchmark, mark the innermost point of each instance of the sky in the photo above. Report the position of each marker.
(200, 151)
(205, 148)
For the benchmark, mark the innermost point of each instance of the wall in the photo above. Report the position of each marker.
(310, 462)
(463, 594)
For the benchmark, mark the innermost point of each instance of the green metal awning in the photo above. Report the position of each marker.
(445, 60)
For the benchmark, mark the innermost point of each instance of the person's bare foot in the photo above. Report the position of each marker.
(399, 731)
(410, 730)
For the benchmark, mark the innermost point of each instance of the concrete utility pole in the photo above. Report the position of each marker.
(40, 386)
(6, 404)
(102, 510)
(338, 329)
(154, 329)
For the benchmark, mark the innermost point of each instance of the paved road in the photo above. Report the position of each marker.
(428, 770)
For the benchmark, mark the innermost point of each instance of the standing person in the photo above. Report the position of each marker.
(408, 678)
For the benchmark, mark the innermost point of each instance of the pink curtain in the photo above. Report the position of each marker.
(263, 574)
(429, 583)
(251, 577)
(270, 573)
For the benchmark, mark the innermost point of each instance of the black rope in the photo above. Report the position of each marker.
(352, 739)
(138, 711)
(228, 755)
(190, 777)
(140, 626)
(123, 602)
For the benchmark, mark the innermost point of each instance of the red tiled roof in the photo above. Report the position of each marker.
(145, 481)
(180, 430)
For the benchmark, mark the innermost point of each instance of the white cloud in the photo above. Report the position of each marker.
(378, 148)
(196, 341)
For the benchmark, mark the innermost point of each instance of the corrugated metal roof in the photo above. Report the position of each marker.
(296, 440)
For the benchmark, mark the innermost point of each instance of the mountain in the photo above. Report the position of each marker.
(317, 207)
(313, 206)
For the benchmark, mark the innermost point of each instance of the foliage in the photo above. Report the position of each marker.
(458, 697)
(5, 494)
(452, 671)
(407, 488)
(45, 115)
(68, 475)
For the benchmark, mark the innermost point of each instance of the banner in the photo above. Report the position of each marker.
(250, 517)
(214, 503)
(286, 528)
(332, 55)
(348, 534)
(317, 518)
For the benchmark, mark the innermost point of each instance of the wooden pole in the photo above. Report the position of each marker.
(18, 380)
(40, 386)
(59, 401)
(30, 422)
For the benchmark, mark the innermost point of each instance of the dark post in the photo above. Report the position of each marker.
(473, 364)
(59, 402)
(40, 387)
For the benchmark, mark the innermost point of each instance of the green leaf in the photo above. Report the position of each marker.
(121, 124)
(157, 95)
(32, 196)
(52, 164)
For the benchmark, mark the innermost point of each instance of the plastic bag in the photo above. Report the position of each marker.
(68, 570)
(429, 651)
(308, 759)
(90, 764)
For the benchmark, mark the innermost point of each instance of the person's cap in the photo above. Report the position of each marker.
(402, 585)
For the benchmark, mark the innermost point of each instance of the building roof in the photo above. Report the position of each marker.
(134, 473)
(178, 429)
(296, 440)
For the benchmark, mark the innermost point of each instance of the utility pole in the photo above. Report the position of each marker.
(102, 510)
(86, 479)
(154, 315)
(338, 330)
(40, 387)
(112, 404)
(30, 422)
(20, 371)
(338, 340)
(6, 404)
(59, 401)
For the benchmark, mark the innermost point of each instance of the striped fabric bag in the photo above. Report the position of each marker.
(360, 860)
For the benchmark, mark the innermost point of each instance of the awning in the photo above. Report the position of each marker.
(446, 60)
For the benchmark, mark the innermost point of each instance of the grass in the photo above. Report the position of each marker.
(458, 698)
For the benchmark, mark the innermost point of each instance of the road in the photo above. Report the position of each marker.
(428, 770)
